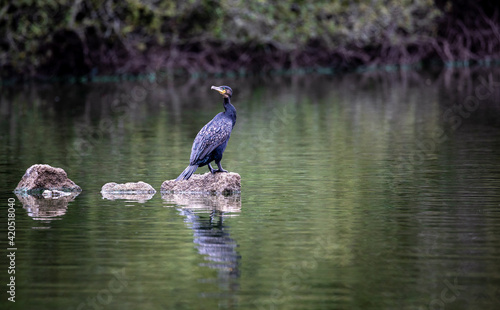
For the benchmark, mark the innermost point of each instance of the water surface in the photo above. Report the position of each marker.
(365, 191)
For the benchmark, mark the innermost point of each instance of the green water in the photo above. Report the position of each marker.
(358, 192)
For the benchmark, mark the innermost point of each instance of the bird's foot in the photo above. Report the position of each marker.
(213, 171)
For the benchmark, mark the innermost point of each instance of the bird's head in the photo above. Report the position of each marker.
(225, 91)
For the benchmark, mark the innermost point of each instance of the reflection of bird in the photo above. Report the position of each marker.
(211, 141)
(214, 241)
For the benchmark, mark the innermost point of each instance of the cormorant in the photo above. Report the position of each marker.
(211, 141)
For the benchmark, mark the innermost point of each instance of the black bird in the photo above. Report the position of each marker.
(211, 141)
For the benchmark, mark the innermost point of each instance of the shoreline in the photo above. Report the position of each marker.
(182, 73)
(443, 35)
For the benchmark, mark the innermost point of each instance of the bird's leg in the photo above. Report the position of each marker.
(220, 167)
(212, 171)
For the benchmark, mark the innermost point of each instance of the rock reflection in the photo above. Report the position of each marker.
(46, 209)
(205, 214)
(227, 205)
(142, 198)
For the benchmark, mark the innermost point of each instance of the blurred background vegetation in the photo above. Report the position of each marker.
(47, 38)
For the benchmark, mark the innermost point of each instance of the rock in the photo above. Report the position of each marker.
(44, 177)
(139, 191)
(128, 188)
(222, 182)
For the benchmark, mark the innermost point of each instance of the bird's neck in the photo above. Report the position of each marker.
(229, 109)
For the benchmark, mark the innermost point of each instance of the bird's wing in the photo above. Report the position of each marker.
(213, 134)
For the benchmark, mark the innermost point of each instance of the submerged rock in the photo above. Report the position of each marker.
(139, 191)
(54, 194)
(44, 177)
(222, 182)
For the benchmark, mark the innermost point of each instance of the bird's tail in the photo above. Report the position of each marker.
(186, 174)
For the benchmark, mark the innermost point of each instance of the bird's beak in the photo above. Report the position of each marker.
(221, 90)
